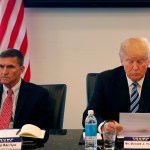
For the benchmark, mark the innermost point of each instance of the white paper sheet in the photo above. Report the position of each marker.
(8, 133)
(135, 124)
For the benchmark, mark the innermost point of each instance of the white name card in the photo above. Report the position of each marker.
(11, 143)
(136, 142)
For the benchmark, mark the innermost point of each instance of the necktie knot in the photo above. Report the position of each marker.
(135, 84)
(9, 92)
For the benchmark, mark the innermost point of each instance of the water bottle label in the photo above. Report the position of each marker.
(90, 130)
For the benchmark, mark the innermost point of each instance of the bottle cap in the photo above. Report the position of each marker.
(90, 112)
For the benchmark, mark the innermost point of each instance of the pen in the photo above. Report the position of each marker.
(18, 131)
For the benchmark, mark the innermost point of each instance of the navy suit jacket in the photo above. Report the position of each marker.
(111, 95)
(33, 106)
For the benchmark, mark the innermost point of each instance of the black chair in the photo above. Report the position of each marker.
(90, 83)
(58, 93)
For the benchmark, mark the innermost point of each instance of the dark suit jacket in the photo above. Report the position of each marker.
(111, 95)
(33, 106)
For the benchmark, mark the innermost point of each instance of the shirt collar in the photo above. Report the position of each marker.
(140, 82)
(14, 88)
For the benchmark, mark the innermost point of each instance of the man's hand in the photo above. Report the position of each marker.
(111, 126)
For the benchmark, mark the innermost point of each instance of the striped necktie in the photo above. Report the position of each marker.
(134, 101)
(6, 111)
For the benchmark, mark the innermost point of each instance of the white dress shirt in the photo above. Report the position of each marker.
(15, 89)
(139, 86)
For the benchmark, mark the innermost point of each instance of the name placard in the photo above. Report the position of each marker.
(136, 142)
(11, 143)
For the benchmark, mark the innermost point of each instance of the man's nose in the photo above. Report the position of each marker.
(135, 65)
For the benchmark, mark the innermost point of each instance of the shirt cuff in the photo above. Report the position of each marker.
(100, 127)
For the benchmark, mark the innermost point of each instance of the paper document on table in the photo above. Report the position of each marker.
(135, 124)
(8, 133)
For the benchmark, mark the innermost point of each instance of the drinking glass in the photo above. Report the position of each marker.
(109, 134)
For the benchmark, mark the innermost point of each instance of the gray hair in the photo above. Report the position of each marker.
(13, 53)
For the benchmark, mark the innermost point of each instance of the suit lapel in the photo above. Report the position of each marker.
(22, 97)
(123, 90)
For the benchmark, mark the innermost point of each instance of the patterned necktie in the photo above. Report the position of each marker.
(6, 111)
(134, 102)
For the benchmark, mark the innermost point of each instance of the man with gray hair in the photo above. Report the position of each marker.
(27, 103)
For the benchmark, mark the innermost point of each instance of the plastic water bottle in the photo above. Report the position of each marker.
(90, 131)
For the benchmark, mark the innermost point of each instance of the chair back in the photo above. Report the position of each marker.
(90, 84)
(58, 94)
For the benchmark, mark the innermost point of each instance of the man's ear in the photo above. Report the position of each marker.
(121, 60)
(22, 68)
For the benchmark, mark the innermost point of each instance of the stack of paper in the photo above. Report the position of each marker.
(135, 124)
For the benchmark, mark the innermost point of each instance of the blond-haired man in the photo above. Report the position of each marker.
(112, 93)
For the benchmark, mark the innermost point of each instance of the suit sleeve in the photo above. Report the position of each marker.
(45, 111)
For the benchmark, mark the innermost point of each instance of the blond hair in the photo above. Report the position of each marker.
(140, 45)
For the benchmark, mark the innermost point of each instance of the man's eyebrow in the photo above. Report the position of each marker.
(10, 66)
(7, 65)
